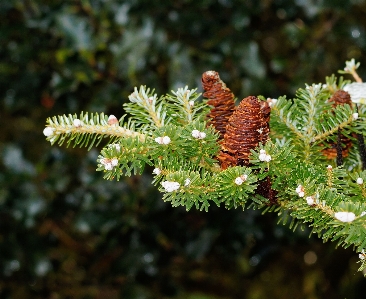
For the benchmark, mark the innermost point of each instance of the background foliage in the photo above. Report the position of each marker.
(66, 233)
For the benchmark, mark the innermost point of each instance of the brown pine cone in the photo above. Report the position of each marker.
(246, 128)
(221, 98)
(340, 97)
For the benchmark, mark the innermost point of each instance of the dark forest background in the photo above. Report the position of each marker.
(67, 233)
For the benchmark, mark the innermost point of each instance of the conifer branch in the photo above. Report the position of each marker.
(300, 180)
(85, 130)
(350, 68)
(184, 105)
(146, 108)
(284, 110)
(332, 123)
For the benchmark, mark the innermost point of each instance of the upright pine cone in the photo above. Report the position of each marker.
(340, 97)
(247, 127)
(221, 98)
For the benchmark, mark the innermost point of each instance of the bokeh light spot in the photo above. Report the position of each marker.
(310, 257)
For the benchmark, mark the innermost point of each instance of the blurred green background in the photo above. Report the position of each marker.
(67, 233)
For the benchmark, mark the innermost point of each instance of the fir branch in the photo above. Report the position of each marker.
(183, 105)
(350, 68)
(343, 222)
(312, 100)
(357, 186)
(234, 185)
(146, 108)
(330, 122)
(185, 188)
(176, 140)
(285, 111)
(193, 145)
(85, 130)
(122, 158)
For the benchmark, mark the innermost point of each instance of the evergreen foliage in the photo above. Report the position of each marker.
(170, 133)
